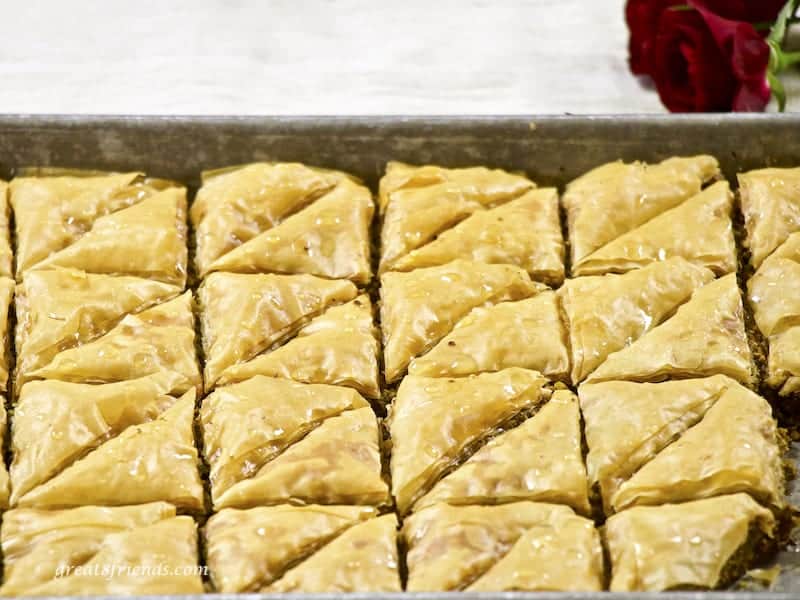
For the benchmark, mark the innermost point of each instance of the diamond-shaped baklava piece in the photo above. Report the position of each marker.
(774, 295)
(270, 441)
(433, 215)
(283, 218)
(6, 257)
(126, 443)
(654, 443)
(130, 550)
(606, 313)
(486, 438)
(80, 327)
(303, 549)
(431, 309)
(525, 546)
(771, 207)
(702, 544)
(706, 336)
(120, 224)
(295, 326)
(607, 207)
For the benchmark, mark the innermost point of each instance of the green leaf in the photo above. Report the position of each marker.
(778, 32)
(776, 87)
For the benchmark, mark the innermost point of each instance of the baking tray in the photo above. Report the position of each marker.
(552, 150)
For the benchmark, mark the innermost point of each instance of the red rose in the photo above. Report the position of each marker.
(643, 18)
(705, 63)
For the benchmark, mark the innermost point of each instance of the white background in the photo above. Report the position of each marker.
(318, 57)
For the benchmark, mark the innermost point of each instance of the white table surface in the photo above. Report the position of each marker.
(319, 57)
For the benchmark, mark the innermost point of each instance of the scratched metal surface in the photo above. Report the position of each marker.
(552, 150)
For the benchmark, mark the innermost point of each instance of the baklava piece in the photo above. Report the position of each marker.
(117, 224)
(771, 206)
(604, 314)
(432, 216)
(525, 546)
(705, 544)
(706, 336)
(130, 550)
(303, 549)
(299, 327)
(89, 328)
(271, 441)
(655, 443)
(623, 216)
(774, 295)
(110, 445)
(465, 317)
(485, 439)
(6, 298)
(6, 257)
(283, 218)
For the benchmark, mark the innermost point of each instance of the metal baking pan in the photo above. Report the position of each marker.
(552, 150)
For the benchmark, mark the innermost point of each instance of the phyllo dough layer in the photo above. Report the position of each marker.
(604, 314)
(432, 216)
(485, 439)
(771, 207)
(270, 441)
(524, 546)
(706, 336)
(112, 444)
(5, 486)
(283, 218)
(118, 224)
(623, 216)
(6, 257)
(774, 295)
(686, 546)
(303, 549)
(131, 550)
(6, 298)
(299, 327)
(465, 318)
(655, 443)
(82, 327)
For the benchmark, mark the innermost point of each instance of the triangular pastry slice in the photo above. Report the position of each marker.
(692, 545)
(539, 460)
(527, 333)
(421, 307)
(157, 339)
(771, 207)
(525, 232)
(705, 337)
(143, 549)
(364, 557)
(604, 314)
(618, 197)
(338, 347)
(774, 295)
(64, 308)
(733, 448)
(93, 414)
(243, 316)
(641, 437)
(283, 218)
(524, 546)
(75, 221)
(420, 203)
(327, 548)
(699, 230)
(6, 257)
(153, 461)
(270, 440)
(434, 421)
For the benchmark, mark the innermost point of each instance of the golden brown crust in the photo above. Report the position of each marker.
(283, 218)
(6, 256)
